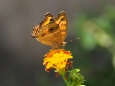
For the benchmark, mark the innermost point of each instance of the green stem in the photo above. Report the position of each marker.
(65, 80)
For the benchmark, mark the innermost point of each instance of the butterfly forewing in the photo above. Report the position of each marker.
(48, 18)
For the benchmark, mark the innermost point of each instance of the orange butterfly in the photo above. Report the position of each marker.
(52, 31)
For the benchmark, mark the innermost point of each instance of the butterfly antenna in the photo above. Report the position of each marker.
(73, 40)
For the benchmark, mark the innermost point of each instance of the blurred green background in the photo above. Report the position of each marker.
(21, 57)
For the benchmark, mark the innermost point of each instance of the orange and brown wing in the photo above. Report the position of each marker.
(48, 18)
(51, 31)
(38, 28)
(61, 20)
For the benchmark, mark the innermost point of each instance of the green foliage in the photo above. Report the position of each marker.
(75, 78)
(98, 31)
(96, 48)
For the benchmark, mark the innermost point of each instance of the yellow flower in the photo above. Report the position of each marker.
(57, 59)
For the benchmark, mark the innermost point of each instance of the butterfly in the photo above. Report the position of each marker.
(51, 31)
